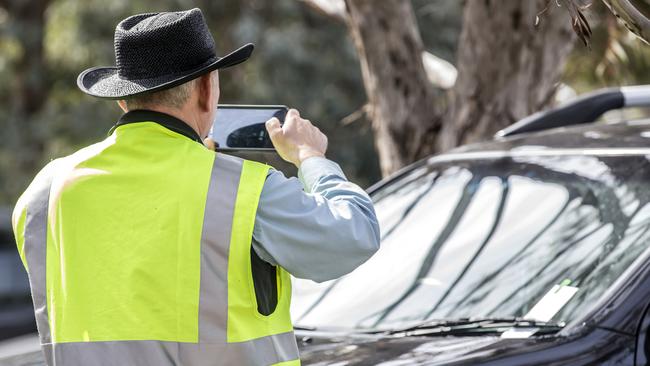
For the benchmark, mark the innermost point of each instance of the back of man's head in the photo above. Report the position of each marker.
(174, 98)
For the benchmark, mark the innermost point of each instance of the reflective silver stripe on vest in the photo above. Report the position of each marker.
(36, 250)
(261, 351)
(215, 244)
(213, 303)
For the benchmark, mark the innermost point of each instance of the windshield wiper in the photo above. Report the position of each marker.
(476, 326)
(300, 327)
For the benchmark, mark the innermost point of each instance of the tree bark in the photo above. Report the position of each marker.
(508, 68)
(400, 98)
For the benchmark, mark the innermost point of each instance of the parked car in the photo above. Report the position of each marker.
(16, 309)
(532, 249)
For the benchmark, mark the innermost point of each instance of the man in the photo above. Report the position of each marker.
(150, 249)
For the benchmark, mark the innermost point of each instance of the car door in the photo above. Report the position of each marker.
(642, 354)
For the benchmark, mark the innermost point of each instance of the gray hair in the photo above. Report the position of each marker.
(175, 97)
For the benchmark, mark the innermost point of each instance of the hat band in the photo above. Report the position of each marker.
(144, 71)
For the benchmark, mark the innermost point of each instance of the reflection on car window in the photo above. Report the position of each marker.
(489, 238)
(253, 136)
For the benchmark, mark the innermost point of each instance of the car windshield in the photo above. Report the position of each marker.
(538, 237)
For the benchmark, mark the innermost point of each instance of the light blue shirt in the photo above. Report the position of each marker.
(318, 227)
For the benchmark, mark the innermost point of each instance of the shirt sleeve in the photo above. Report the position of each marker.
(19, 214)
(318, 227)
(18, 225)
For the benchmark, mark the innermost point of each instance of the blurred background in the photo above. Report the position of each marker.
(389, 82)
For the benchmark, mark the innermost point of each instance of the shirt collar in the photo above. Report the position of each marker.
(170, 122)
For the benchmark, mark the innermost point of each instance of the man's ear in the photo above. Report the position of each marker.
(205, 92)
(122, 105)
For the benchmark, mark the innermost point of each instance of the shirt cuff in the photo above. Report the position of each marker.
(314, 169)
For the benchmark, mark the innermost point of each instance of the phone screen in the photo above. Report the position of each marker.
(243, 127)
(240, 131)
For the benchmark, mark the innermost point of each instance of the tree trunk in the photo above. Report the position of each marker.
(400, 98)
(507, 67)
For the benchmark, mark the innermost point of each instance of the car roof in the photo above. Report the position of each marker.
(633, 134)
(616, 138)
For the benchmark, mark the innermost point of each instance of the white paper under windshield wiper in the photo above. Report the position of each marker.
(476, 326)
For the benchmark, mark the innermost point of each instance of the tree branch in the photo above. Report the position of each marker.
(631, 17)
(579, 22)
(364, 110)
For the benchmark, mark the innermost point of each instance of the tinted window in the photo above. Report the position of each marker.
(491, 238)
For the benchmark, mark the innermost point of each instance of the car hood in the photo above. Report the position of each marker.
(327, 349)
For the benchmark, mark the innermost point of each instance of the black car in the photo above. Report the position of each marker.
(532, 249)
(16, 311)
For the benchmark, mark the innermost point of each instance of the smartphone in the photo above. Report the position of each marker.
(240, 130)
(243, 126)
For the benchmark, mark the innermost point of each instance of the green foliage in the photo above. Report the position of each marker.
(616, 56)
(302, 60)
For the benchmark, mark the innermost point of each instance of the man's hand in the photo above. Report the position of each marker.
(210, 144)
(296, 140)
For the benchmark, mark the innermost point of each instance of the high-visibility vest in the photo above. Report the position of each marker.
(138, 250)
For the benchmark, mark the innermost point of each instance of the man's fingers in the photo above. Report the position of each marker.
(210, 144)
(273, 124)
(292, 118)
(273, 127)
(293, 113)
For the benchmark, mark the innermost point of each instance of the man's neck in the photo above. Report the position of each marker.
(181, 115)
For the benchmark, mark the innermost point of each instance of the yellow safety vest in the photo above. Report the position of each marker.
(138, 250)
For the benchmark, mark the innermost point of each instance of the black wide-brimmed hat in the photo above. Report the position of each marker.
(157, 51)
